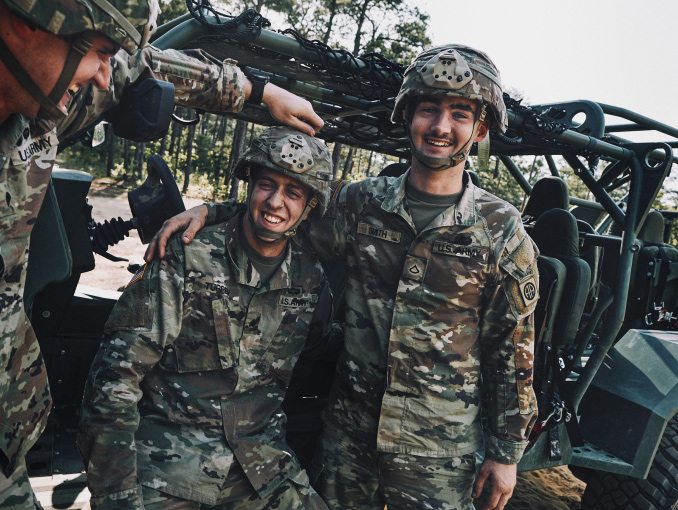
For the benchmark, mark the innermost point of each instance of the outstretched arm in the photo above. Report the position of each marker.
(289, 109)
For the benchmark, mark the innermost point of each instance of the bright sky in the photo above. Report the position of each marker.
(619, 52)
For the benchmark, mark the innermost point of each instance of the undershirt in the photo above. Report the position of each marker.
(424, 207)
(265, 266)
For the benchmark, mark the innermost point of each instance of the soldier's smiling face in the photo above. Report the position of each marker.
(441, 125)
(277, 201)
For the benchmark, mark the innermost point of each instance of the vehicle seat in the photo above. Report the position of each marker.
(547, 193)
(555, 234)
(654, 286)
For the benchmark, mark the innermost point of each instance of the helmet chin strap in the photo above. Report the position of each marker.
(437, 164)
(49, 108)
(269, 236)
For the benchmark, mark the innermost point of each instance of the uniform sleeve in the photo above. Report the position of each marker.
(221, 212)
(507, 343)
(199, 82)
(144, 320)
(329, 234)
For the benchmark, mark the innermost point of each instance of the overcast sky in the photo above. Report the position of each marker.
(619, 52)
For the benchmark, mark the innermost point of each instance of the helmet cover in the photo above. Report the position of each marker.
(294, 154)
(454, 70)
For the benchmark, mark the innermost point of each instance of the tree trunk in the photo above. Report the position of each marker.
(163, 146)
(126, 157)
(330, 22)
(336, 158)
(348, 164)
(237, 147)
(189, 158)
(369, 164)
(139, 159)
(110, 135)
(361, 22)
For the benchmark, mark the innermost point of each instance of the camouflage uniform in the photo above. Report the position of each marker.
(188, 383)
(422, 312)
(27, 152)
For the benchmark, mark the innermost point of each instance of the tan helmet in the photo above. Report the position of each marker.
(454, 70)
(128, 23)
(292, 153)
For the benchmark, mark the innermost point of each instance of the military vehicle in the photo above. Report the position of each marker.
(607, 352)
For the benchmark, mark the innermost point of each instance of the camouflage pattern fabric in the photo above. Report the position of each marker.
(432, 305)
(198, 83)
(238, 494)
(422, 311)
(27, 152)
(15, 491)
(196, 363)
(343, 472)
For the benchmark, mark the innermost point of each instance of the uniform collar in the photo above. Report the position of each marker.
(463, 213)
(242, 267)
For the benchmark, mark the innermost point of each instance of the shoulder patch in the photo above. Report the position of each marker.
(137, 276)
(528, 289)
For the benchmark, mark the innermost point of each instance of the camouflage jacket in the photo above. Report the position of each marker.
(443, 310)
(428, 316)
(196, 362)
(27, 153)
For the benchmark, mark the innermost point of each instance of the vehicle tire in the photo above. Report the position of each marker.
(607, 491)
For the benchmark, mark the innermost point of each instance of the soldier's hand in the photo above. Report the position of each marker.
(191, 221)
(502, 479)
(292, 110)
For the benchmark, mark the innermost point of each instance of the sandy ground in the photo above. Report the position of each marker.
(548, 489)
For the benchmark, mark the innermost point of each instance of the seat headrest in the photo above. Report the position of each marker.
(652, 231)
(547, 193)
(555, 234)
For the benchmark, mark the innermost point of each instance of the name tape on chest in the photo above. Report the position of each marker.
(28, 147)
(456, 250)
(378, 232)
(295, 301)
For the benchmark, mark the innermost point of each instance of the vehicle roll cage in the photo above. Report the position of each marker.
(355, 96)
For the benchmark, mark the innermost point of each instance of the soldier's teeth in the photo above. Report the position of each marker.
(272, 219)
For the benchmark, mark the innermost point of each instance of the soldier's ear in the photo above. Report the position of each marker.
(22, 29)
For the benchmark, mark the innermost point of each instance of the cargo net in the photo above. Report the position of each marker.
(370, 76)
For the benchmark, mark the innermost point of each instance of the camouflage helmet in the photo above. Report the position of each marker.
(295, 154)
(454, 70)
(128, 23)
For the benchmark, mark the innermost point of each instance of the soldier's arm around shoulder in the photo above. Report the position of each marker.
(507, 343)
(144, 320)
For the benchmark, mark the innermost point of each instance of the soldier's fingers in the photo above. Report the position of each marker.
(479, 483)
(151, 250)
(190, 231)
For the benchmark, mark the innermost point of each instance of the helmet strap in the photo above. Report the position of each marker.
(49, 108)
(268, 236)
(437, 164)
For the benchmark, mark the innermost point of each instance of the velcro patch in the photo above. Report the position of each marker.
(137, 276)
(528, 289)
(456, 250)
(293, 300)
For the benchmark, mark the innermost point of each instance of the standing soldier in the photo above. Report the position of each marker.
(50, 51)
(441, 287)
(182, 407)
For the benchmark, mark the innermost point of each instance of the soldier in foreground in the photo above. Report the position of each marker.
(182, 407)
(51, 51)
(441, 288)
